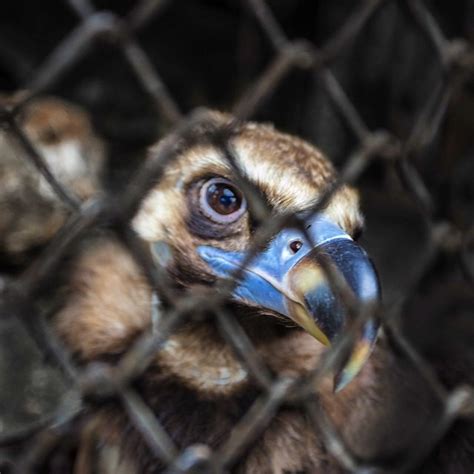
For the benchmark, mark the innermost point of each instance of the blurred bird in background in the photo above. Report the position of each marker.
(30, 211)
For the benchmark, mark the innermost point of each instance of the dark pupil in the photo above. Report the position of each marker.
(223, 198)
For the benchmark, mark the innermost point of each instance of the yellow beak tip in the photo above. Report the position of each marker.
(354, 365)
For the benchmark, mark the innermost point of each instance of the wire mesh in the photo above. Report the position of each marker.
(113, 383)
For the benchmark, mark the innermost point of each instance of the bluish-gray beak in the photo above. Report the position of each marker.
(287, 277)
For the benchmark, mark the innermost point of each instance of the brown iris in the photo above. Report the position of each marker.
(223, 198)
(221, 201)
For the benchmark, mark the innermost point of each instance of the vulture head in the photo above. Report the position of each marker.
(198, 223)
(201, 214)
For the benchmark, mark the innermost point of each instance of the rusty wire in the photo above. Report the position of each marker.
(18, 298)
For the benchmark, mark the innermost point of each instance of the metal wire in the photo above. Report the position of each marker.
(115, 382)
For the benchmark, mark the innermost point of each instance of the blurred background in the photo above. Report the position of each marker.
(419, 209)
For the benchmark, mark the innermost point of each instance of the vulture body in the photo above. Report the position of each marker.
(196, 385)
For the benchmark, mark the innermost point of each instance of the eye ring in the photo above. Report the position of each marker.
(221, 201)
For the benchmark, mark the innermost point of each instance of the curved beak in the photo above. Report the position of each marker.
(288, 278)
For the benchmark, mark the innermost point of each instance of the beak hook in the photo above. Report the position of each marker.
(295, 284)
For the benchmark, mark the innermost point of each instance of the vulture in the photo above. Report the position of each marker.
(198, 222)
(31, 212)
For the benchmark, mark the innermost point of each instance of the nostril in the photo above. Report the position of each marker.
(295, 245)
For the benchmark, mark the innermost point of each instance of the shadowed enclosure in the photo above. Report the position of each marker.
(384, 88)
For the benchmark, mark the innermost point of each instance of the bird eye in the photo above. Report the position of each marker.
(221, 201)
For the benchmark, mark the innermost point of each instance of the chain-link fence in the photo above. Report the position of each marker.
(96, 385)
